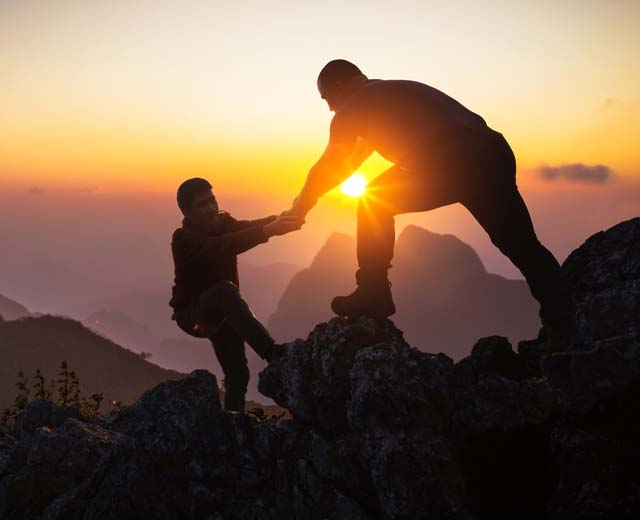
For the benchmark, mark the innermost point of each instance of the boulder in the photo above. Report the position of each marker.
(604, 278)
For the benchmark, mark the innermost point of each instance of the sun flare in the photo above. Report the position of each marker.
(354, 186)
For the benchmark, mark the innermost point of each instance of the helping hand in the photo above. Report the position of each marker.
(284, 224)
(297, 209)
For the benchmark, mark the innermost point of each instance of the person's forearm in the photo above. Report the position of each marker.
(320, 179)
(259, 222)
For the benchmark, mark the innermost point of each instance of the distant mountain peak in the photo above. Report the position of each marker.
(11, 309)
(443, 292)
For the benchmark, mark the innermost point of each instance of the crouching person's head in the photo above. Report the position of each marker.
(197, 202)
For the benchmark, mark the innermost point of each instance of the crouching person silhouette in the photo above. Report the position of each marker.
(443, 154)
(205, 296)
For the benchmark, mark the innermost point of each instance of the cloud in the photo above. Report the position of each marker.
(35, 190)
(577, 172)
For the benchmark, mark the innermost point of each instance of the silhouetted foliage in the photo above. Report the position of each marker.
(64, 382)
(69, 394)
(40, 387)
(116, 406)
(21, 400)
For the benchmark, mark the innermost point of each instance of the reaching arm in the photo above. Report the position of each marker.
(361, 152)
(336, 163)
(193, 245)
(239, 225)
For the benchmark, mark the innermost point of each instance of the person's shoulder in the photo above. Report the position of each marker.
(360, 100)
(226, 219)
(177, 235)
(396, 84)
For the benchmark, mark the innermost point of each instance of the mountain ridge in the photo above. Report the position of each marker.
(440, 288)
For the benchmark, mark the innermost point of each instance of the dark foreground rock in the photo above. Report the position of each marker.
(379, 429)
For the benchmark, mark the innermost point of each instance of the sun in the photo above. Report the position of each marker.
(354, 186)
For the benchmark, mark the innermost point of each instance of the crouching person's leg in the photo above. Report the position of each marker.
(229, 349)
(222, 301)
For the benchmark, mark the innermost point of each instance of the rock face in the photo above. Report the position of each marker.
(379, 429)
(605, 278)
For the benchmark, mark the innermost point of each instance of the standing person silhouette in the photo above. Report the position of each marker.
(442, 153)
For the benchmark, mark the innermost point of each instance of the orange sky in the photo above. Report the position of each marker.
(121, 95)
(107, 103)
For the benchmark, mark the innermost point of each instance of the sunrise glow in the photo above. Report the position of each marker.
(354, 186)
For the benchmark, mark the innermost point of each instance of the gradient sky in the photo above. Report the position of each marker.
(120, 94)
(102, 99)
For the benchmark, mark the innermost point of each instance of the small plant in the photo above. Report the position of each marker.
(68, 390)
(42, 391)
(116, 407)
(6, 420)
(64, 382)
(74, 390)
(97, 400)
(91, 407)
(19, 403)
(22, 398)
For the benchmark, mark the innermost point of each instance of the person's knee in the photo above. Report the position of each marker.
(219, 294)
(226, 289)
(371, 208)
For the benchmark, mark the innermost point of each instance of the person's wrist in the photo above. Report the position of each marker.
(303, 206)
(267, 229)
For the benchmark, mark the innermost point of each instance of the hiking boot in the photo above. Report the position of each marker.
(375, 302)
(276, 351)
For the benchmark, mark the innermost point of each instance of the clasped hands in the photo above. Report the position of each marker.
(289, 220)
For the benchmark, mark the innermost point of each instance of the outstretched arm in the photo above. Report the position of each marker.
(336, 164)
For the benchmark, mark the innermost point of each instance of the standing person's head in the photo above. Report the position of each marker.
(337, 80)
(197, 202)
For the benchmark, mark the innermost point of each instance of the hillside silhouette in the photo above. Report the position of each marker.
(445, 297)
(12, 310)
(101, 365)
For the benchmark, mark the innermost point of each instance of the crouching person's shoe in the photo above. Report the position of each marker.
(374, 301)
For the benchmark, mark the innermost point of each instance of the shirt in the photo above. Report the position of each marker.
(402, 119)
(203, 258)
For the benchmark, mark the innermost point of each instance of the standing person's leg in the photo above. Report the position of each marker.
(229, 349)
(397, 190)
(499, 208)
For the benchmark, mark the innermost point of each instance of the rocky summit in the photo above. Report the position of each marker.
(380, 430)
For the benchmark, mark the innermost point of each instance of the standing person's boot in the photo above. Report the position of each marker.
(371, 298)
